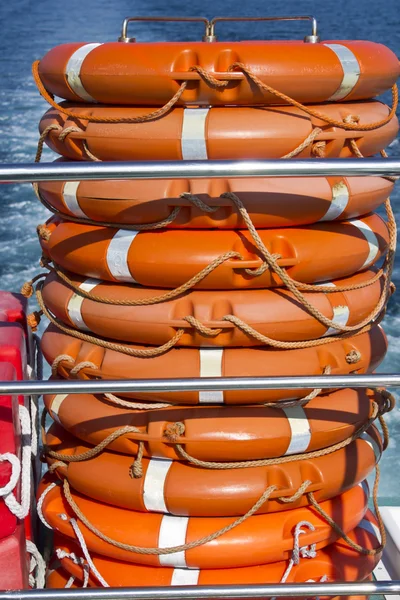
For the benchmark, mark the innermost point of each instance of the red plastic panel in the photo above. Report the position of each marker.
(14, 561)
(13, 308)
(10, 441)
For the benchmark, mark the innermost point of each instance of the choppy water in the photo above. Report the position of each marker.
(31, 28)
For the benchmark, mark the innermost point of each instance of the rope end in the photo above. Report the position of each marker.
(173, 431)
(43, 232)
(33, 319)
(27, 289)
(353, 357)
(136, 470)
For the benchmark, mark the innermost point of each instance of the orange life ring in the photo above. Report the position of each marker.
(170, 258)
(261, 539)
(270, 202)
(216, 433)
(214, 133)
(151, 73)
(337, 562)
(58, 577)
(179, 488)
(274, 313)
(369, 348)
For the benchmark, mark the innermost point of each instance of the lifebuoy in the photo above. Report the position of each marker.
(214, 133)
(58, 577)
(368, 350)
(338, 562)
(274, 313)
(270, 202)
(262, 539)
(151, 73)
(170, 258)
(216, 433)
(179, 488)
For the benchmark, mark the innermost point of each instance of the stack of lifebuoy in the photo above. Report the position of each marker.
(209, 278)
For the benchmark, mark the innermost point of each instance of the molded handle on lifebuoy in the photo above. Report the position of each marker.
(257, 262)
(182, 324)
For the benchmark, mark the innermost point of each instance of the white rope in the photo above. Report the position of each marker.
(82, 543)
(19, 470)
(15, 473)
(37, 567)
(77, 560)
(322, 580)
(35, 424)
(69, 582)
(40, 504)
(299, 551)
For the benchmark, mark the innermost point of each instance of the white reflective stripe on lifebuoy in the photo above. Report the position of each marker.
(371, 528)
(365, 488)
(340, 200)
(73, 71)
(193, 142)
(74, 307)
(185, 577)
(300, 430)
(371, 238)
(55, 406)
(351, 71)
(340, 317)
(70, 199)
(117, 255)
(341, 313)
(211, 366)
(153, 486)
(173, 533)
(371, 442)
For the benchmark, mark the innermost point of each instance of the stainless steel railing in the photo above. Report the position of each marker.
(196, 384)
(75, 171)
(294, 590)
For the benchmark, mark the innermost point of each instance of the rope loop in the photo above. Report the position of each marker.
(20, 470)
(348, 126)
(364, 551)
(152, 116)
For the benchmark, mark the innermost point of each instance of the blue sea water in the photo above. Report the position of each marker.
(30, 28)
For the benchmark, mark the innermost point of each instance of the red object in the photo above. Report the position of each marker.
(14, 561)
(10, 441)
(13, 557)
(13, 349)
(13, 308)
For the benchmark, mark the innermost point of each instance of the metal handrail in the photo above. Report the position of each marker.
(207, 592)
(186, 169)
(193, 384)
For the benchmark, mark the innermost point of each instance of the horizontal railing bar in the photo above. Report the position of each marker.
(77, 171)
(199, 592)
(75, 386)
